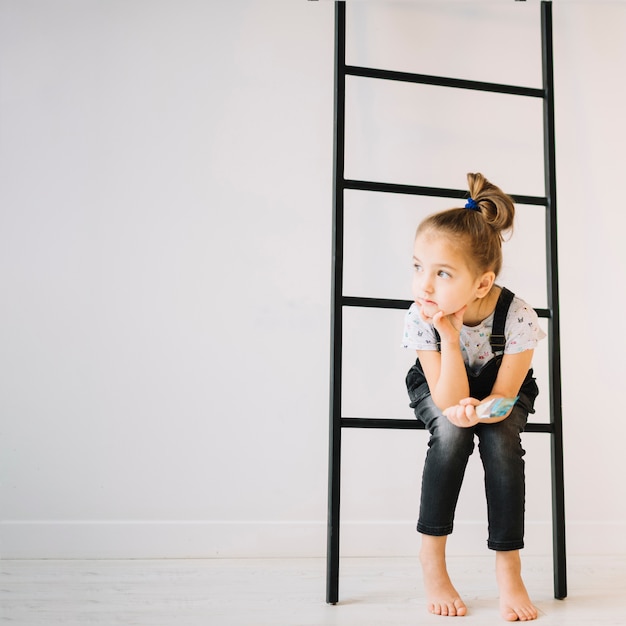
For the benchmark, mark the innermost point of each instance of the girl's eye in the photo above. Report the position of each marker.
(417, 267)
(443, 274)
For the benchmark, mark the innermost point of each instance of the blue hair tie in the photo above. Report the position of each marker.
(471, 204)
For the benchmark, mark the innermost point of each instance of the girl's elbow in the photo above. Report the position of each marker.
(441, 405)
(445, 401)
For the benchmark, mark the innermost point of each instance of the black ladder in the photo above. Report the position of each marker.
(337, 421)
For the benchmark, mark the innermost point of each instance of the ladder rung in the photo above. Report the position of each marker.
(440, 81)
(390, 303)
(377, 303)
(438, 192)
(414, 424)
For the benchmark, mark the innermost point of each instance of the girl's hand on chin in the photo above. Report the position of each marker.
(449, 326)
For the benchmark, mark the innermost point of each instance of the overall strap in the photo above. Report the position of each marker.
(498, 338)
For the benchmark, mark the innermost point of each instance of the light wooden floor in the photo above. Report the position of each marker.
(289, 592)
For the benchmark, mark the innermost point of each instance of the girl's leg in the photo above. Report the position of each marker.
(443, 598)
(449, 449)
(502, 455)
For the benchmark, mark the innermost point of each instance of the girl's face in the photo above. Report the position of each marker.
(442, 279)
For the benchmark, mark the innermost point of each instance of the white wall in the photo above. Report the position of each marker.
(165, 207)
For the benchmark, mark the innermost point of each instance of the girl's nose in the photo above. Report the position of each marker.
(426, 284)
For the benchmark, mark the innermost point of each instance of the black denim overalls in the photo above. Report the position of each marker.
(499, 445)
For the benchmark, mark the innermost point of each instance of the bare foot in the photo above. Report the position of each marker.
(443, 598)
(515, 604)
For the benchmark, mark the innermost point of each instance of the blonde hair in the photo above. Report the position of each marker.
(480, 231)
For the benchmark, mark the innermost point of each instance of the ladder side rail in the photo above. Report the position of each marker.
(556, 417)
(336, 330)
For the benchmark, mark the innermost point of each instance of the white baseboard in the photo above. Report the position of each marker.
(207, 539)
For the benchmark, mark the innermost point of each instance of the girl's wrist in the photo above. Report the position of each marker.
(450, 343)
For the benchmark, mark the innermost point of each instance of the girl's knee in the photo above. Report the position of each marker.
(501, 449)
(453, 439)
(443, 433)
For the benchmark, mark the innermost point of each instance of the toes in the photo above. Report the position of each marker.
(448, 610)
(442, 609)
(521, 614)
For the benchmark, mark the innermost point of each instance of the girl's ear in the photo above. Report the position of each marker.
(485, 284)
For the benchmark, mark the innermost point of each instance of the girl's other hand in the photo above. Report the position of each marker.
(463, 414)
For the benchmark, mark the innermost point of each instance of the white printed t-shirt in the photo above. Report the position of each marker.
(522, 332)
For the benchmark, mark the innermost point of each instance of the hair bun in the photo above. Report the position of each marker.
(497, 207)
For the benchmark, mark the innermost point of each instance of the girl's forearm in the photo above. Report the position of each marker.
(452, 385)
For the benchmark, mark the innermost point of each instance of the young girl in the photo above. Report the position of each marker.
(474, 342)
